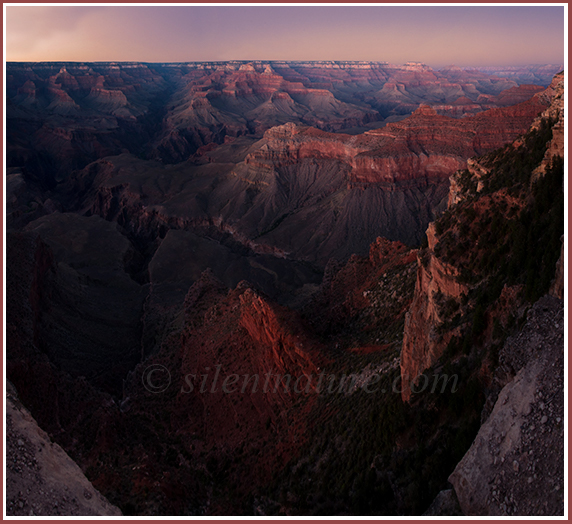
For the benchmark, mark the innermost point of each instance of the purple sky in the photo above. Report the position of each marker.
(438, 36)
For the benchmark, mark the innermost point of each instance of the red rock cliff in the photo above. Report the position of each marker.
(424, 145)
(422, 346)
(437, 281)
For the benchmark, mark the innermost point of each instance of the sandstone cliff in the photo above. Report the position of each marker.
(491, 184)
(419, 147)
(437, 284)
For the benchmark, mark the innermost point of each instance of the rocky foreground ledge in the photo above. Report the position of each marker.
(41, 478)
(516, 463)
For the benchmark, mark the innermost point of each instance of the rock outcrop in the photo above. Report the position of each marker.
(63, 116)
(555, 112)
(42, 480)
(283, 351)
(365, 300)
(423, 146)
(516, 463)
(437, 282)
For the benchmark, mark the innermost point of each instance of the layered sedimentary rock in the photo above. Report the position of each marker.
(247, 100)
(108, 274)
(284, 350)
(539, 74)
(237, 365)
(252, 209)
(297, 193)
(63, 115)
(437, 278)
(404, 159)
(260, 342)
(437, 282)
(425, 145)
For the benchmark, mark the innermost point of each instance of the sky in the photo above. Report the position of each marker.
(436, 35)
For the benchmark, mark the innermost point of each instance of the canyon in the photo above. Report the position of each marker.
(280, 219)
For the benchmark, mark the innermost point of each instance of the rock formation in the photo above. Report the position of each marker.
(189, 243)
(515, 465)
(386, 182)
(554, 112)
(63, 116)
(364, 300)
(440, 282)
(417, 147)
(437, 282)
(539, 74)
(42, 480)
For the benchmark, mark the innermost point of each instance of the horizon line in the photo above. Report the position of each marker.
(411, 62)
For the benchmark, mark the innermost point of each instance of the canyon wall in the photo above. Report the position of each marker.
(437, 283)
(515, 465)
(64, 115)
(163, 217)
(438, 280)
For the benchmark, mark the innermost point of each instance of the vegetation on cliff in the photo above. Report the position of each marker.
(501, 240)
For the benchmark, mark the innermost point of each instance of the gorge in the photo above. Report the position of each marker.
(349, 218)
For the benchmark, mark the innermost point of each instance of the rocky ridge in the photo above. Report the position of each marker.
(361, 304)
(419, 147)
(64, 115)
(422, 345)
(437, 282)
(515, 463)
